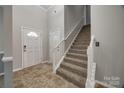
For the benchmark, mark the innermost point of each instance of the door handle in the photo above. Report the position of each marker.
(24, 48)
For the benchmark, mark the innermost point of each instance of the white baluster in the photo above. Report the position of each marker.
(8, 71)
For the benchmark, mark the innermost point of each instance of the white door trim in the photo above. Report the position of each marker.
(22, 33)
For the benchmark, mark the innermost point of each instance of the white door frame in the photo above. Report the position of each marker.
(22, 37)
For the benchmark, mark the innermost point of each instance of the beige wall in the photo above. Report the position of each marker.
(55, 22)
(72, 15)
(73, 20)
(7, 27)
(36, 17)
(88, 15)
(1, 29)
(1, 35)
(107, 24)
(28, 16)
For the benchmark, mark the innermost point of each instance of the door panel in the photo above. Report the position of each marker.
(31, 47)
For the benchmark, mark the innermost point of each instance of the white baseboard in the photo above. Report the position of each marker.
(90, 83)
(59, 64)
(17, 69)
(14, 70)
(46, 61)
(104, 84)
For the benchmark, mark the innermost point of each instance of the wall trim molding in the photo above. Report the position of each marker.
(104, 84)
(46, 61)
(14, 70)
(17, 69)
(45, 10)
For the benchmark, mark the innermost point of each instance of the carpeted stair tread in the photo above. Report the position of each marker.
(77, 56)
(70, 76)
(82, 38)
(74, 65)
(81, 43)
(78, 51)
(78, 62)
(79, 46)
(74, 68)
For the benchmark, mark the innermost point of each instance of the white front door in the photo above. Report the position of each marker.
(31, 47)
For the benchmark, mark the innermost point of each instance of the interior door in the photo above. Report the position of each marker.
(31, 47)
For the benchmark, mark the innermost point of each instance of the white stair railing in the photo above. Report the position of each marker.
(58, 55)
(8, 70)
(59, 52)
(90, 83)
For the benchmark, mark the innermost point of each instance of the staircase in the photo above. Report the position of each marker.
(74, 66)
